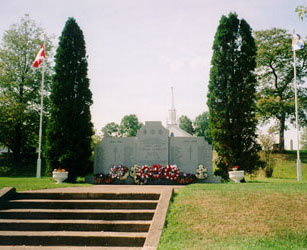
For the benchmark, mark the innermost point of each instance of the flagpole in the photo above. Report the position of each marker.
(298, 161)
(38, 169)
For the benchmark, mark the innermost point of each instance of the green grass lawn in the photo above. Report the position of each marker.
(28, 183)
(285, 165)
(22, 175)
(259, 215)
(264, 213)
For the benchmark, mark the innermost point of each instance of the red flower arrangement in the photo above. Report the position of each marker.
(99, 178)
(171, 172)
(143, 175)
(157, 172)
(59, 170)
(186, 178)
(108, 179)
(235, 168)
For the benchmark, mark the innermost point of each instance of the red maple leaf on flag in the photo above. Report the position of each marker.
(39, 58)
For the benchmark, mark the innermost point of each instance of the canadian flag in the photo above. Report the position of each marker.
(40, 56)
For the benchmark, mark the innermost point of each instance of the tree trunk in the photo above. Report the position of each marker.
(282, 122)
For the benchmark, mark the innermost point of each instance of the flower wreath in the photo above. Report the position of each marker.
(143, 175)
(201, 172)
(134, 170)
(118, 172)
(171, 172)
(99, 178)
(157, 171)
(126, 173)
(186, 178)
(108, 179)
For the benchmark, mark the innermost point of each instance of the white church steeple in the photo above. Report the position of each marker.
(172, 119)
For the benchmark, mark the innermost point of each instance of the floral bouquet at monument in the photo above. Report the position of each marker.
(143, 175)
(156, 172)
(186, 178)
(99, 178)
(119, 172)
(171, 172)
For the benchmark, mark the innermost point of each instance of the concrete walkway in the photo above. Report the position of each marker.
(112, 189)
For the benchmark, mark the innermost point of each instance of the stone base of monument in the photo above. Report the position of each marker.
(130, 181)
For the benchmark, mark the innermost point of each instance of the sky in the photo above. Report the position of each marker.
(139, 49)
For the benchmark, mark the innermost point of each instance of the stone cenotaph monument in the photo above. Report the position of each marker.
(155, 144)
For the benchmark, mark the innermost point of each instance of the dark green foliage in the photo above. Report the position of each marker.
(185, 124)
(26, 167)
(202, 126)
(231, 97)
(70, 128)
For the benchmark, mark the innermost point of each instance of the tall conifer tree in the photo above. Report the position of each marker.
(231, 97)
(70, 128)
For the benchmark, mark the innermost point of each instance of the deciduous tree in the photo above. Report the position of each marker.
(303, 140)
(301, 11)
(20, 85)
(129, 125)
(275, 76)
(185, 124)
(201, 125)
(111, 129)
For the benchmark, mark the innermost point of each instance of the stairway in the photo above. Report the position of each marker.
(77, 219)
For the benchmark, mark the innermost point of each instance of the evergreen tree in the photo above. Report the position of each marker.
(231, 97)
(70, 128)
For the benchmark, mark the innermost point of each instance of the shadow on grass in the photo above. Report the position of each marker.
(25, 168)
(174, 195)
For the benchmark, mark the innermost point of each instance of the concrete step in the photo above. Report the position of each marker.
(87, 196)
(71, 248)
(78, 218)
(51, 238)
(78, 214)
(81, 204)
(74, 225)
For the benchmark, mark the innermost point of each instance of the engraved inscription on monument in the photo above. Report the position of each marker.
(153, 146)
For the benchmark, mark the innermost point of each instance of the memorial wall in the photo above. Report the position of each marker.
(153, 145)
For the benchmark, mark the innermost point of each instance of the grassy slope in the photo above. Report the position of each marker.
(285, 165)
(259, 215)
